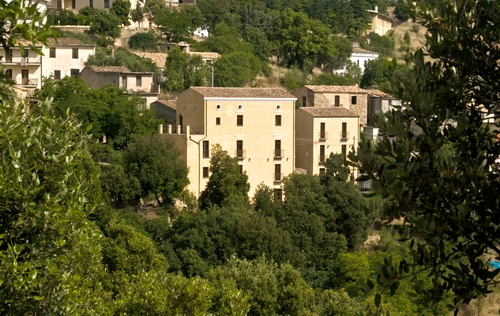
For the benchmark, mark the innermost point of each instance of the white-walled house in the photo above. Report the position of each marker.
(65, 57)
(359, 57)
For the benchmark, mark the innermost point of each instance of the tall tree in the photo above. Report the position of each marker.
(154, 161)
(121, 8)
(183, 71)
(449, 204)
(226, 185)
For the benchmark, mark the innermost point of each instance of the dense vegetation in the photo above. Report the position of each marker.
(92, 227)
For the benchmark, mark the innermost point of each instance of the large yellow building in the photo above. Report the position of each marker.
(256, 125)
(321, 131)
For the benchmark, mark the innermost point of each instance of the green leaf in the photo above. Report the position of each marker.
(378, 299)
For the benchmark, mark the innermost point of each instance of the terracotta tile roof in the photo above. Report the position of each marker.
(158, 58)
(206, 55)
(67, 41)
(109, 68)
(380, 94)
(271, 93)
(168, 103)
(362, 51)
(336, 89)
(328, 112)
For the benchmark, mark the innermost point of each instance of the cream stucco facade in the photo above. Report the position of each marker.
(25, 68)
(65, 57)
(256, 125)
(348, 97)
(321, 131)
(380, 23)
(76, 5)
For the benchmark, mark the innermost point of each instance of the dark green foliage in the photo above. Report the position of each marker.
(108, 109)
(183, 71)
(49, 253)
(154, 161)
(384, 45)
(226, 185)
(175, 25)
(121, 57)
(224, 40)
(258, 39)
(333, 79)
(236, 69)
(378, 73)
(65, 17)
(142, 41)
(449, 204)
(137, 14)
(105, 24)
(121, 9)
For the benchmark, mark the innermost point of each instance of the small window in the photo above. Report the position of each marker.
(278, 195)
(354, 100)
(218, 107)
(9, 73)
(277, 120)
(205, 172)
(337, 100)
(321, 170)
(106, 4)
(278, 107)
(138, 81)
(75, 72)
(277, 173)
(91, 3)
(57, 74)
(304, 99)
(217, 121)
(75, 53)
(59, 5)
(240, 107)
(239, 120)
(73, 4)
(241, 168)
(344, 151)
(206, 149)
(52, 52)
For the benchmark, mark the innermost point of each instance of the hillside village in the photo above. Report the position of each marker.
(249, 157)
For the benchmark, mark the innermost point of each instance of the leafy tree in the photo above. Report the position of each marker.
(105, 24)
(379, 73)
(121, 9)
(49, 257)
(175, 25)
(236, 69)
(384, 45)
(137, 14)
(154, 161)
(224, 40)
(299, 41)
(154, 9)
(448, 204)
(183, 71)
(218, 11)
(121, 57)
(142, 41)
(258, 39)
(65, 17)
(226, 185)
(194, 14)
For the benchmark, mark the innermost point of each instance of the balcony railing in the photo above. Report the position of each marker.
(241, 154)
(344, 136)
(279, 153)
(28, 82)
(23, 61)
(278, 177)
(323, 136)
(322, 158)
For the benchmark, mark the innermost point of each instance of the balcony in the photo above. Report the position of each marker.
(279, 153)
(278, 177)
(344, 136)
(322, 136)
(241, 154)
(322, 158)
(23, 61)
(27, 82)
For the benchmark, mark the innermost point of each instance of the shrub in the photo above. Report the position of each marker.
(143, 41)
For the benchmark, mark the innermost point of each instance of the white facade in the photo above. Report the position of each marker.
(65, 57)
(25, 68)
(359, 57)
(201, 32)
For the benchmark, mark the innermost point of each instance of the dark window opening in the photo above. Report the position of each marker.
(217, 121)
(239, 120)
(205, 172)
(277, 120)
(206, 149)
